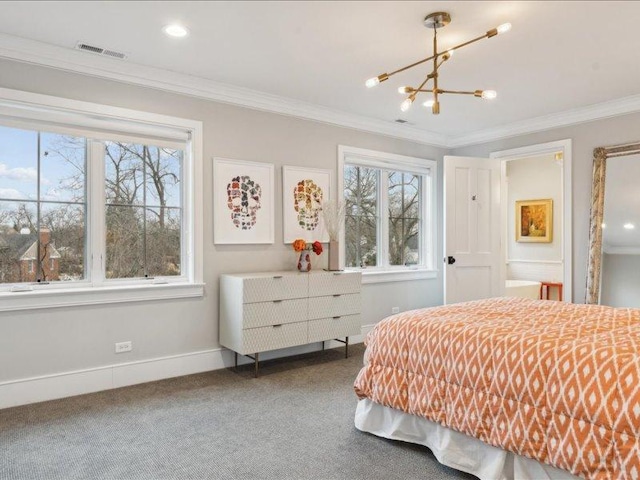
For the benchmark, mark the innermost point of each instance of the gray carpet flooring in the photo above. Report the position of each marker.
(293, 422)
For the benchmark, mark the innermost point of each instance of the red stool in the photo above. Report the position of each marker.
(546, 285)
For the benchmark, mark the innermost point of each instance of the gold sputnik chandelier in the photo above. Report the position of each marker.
(438, 20)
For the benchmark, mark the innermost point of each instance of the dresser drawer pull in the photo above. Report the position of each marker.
(277, 276)
(277, 326)
(337, 295)
(277, 301)
(335, 318)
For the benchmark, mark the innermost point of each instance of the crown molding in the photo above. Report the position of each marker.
(39, 53)
(598, 111)
(43, 54)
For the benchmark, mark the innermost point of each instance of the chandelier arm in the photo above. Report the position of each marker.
(435, 108)
(457, 92)
(486, 35)
(419, 62)
(412, 65)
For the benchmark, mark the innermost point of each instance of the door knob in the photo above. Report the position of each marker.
(450, 260)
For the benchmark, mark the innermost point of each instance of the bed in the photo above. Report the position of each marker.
(509, 387)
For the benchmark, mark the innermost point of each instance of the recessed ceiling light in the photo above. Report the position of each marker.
(629, 226)
(175, 30)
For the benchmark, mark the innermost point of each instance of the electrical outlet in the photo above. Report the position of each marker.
(395, 309)
(124, 347)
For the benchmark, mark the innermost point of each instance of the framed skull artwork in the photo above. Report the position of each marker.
(243, 201)
(303, 192)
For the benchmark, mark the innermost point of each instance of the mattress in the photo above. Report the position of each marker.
(555, 382)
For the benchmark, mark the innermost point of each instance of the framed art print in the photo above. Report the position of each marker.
(534, 220)
(303, 192)
(243, 202)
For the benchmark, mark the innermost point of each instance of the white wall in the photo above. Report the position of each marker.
(47, 342)
(620, 280)
(532, 179)
(36, 343)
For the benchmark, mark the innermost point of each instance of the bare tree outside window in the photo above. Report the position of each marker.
(361, 216)
(143, 210)
(383, 228)
(43, 208)
(404, 218)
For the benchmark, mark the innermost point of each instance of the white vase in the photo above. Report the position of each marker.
(304, 261)
(334, 256)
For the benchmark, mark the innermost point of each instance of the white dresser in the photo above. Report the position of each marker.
(271, 310)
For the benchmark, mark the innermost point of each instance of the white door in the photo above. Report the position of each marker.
(473, 230)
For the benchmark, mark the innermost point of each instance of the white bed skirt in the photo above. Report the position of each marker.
(452, 448)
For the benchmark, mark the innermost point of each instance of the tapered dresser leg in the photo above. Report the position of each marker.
(256, 365)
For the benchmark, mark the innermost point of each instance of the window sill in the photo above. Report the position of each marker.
(386, 276)
(53, 298)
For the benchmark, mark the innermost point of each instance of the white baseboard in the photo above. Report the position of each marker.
(68, 384)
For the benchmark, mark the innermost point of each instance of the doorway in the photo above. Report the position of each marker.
(537, 172)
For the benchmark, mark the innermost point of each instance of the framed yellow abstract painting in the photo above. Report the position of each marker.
(534, 220)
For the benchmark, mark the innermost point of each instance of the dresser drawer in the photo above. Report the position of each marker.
(329, 328)
(333, 305)
(275, 312)
(273, 337)
(276, 287)
(330, 283)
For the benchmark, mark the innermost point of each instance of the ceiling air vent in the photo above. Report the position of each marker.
(100, 51)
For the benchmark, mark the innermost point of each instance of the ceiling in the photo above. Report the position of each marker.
(559, 56)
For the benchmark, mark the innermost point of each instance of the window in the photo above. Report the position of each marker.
(89, 201)
(143, 210)
(389, 212)
(42, 205)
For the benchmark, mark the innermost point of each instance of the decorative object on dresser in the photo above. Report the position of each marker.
(304, 248)
(333, 214)
(303, 192)
(243, 201)
(271, 310)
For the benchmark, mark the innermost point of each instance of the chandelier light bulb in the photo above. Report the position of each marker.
(504, 28)
(406, 105)
(489, 94)
(433, 22)
(372, 82)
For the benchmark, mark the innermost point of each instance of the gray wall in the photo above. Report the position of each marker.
(34, 343)
(44, 342)
(620, 280)
(585, 137)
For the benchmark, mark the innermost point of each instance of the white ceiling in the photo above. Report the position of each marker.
(559, 56)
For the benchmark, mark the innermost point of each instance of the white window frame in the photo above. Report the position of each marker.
(44, 112)
(427, 169)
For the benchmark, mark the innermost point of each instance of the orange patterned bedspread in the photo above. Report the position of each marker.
(553, 381)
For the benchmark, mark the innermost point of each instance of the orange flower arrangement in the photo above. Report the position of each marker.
(299, 245)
